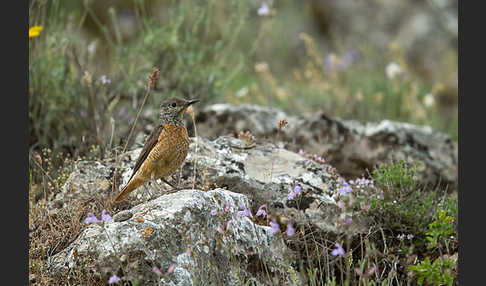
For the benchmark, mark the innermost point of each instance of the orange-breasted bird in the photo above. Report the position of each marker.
(165, 149)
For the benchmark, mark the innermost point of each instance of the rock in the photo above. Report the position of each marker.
(265, 174)
(179, 229)
(160, 229)
(123, 216)
(352, 147)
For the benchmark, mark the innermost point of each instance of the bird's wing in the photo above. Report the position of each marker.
(149, 145)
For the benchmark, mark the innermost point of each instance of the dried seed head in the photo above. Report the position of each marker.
(153, 77)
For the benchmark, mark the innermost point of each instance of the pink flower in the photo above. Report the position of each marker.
(171, 269)
(340, 204)
(229, 223)
(157, 271)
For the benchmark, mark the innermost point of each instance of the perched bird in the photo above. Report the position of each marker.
(165, 149)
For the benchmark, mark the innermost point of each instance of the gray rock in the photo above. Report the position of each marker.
(123, 216)
(350, 146)
(179, 229)
(159, 230)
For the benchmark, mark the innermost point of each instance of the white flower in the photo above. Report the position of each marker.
(105, 79)
(242, 92)
(263, 10)
(91, 48)
(429, 100)
(393, 70)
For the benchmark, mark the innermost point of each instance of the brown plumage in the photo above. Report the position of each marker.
(165, 149)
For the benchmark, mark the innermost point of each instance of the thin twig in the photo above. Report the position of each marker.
(45, 173)
(195, 151)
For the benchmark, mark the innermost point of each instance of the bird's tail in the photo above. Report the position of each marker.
(130, 187)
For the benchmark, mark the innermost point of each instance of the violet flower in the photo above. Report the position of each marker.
(338, 250)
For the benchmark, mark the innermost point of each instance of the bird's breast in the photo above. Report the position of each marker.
(170, 151)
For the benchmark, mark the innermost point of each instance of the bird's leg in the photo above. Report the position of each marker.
(160, 187)
(180, 176)
(153, 179)
(167, 182)
(147, 189)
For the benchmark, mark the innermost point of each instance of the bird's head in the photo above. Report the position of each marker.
(172, 109)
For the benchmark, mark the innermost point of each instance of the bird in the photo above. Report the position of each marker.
(165, 149)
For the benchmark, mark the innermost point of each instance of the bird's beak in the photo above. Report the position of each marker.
(192, 101)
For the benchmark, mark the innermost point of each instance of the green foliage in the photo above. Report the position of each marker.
(440, 229)
(397, 202)
(71, 107)
(399, 176)
(437, 273)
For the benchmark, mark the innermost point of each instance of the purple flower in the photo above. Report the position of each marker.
(345, 189)
(229, 223)
(330, 62)
(338, 250)
(244, 212)
(275, 227)
(409, 236)
(364, 206)
(114, 279)
(227, 207)
(401, 236)
(293, 192)
(214, 210)
(171, 269)
(104, 216)
(290, 230)
(348, 221)
(340, 204)
(91, 219)
(348, 59)
(261, 211)
(157, 271)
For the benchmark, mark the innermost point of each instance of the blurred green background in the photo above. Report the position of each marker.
(364, 60)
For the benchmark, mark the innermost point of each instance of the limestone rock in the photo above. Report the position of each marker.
(179, 229)
(350, 146)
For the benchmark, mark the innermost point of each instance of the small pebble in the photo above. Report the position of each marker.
(122, 216)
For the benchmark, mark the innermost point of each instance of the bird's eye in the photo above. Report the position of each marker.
(173, 104)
